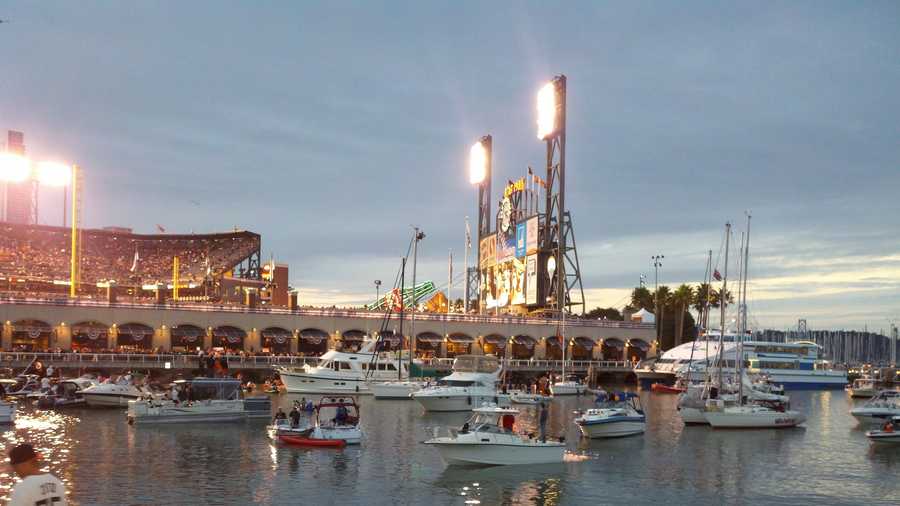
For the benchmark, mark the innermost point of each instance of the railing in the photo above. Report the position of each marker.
(180, 361)
(345, 313)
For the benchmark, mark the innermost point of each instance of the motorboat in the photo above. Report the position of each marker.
(116, 393)
(339, 372)
(472, 383)
(880, 408)
(488, 439)
(209, 400)
(396, 389)
(335, 419)
(619, 414)
(7, 409)
(796, 365)
(570, 386)
(66, 393)
(749, 416)
(889, 433)
(523, 397)
(23, 386)
(662, 388)
(862, 388)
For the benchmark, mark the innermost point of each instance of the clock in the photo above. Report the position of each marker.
(505, 214)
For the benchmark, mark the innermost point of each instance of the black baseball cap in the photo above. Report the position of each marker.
(21, 453)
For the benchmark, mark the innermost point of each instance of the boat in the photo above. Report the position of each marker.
(862, 388)
(487, 439)
(620, 414)
(883, 406)
(23, 386)
(7, 409)
(570, 386)
(339, 372)
(66, 393)
(472, 383)
(522, 397)
(396, 389)
(258, 406)
(749, 416)
(211, 400)
(889, 433)
(662, 388)
(114, 393)
(692, 403)
(335, 419)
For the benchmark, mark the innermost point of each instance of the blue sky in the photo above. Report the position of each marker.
(330, 129)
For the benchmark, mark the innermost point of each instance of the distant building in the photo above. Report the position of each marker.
(21, 199)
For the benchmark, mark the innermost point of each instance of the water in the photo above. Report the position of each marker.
(105, 461)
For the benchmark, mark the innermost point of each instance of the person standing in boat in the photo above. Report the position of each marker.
(295, 417)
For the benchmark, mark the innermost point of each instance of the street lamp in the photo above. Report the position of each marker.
(480, 168)
(657, 263)
(377, 290)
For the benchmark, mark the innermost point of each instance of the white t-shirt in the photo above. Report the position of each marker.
(39, 490)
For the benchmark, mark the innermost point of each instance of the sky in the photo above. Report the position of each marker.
(332, 128)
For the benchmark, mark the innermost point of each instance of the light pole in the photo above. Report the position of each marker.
(377, 290)
(657, 263)
(480, 168)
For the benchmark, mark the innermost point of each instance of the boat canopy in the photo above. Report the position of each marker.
(213, 388)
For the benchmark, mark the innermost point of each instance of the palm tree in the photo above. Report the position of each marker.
(641, 298)
(682, 299)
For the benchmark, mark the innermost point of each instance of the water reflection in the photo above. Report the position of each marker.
(538, 485)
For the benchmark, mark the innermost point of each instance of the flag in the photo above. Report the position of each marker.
(717, 275)
(160, 228)
(134, 264)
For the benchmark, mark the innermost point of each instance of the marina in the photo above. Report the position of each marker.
(105, 461)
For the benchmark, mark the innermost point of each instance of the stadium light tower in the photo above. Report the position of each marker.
(558, 235)
(480, 169)
(58, 175)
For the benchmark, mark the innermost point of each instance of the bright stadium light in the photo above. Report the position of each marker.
(14, 168)
(477, 163)
(547, 110)
(54, 174)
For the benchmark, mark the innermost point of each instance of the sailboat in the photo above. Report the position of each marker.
(566, 385)
(743, 415)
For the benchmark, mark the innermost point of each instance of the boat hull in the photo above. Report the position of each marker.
(728, 420)
(662, 388)
(142, 412)
(874, 415)
(692, 416)
(459, 402)
(883, 438)
(463, 454)
(615, 428)
(107, 400)
(399, 390)
(571, 389)
(302, 383)
(319, 443)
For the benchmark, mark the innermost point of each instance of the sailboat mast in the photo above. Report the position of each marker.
(723, 301)
(412, 313)
(400, 353)
(746, 267)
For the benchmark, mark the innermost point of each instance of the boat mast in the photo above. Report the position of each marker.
(746, 266)
(743, 318)
(412, 313)
(400, 353)
(723, 301)
(704, 316)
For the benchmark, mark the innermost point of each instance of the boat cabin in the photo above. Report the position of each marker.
(490, 419)
(200, 389)
(337, 411)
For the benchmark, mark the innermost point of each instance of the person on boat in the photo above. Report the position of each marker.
(45, 384)
(507, 421)
(280, 415)
(295, 417)
(173, 394)
(36, 487)
(888, 427)
(341, 416)
(542, 419)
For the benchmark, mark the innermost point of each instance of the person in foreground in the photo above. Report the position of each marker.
(36, 487)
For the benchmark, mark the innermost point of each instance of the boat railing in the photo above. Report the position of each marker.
(97, 359)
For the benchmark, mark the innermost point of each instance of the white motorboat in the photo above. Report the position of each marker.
(472, 383)
(569, 387)
(66, 393)
(522, 397)
(882, 407)
(862, 388)
(395, 389)
(115, 393)
(487, 439)
(7, 409)
(888, 434)
(339, 372)
(210, 400)
(620, 415)
(749, 416)
(23, 386)
(335, 419)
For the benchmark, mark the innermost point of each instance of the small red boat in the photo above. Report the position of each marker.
(305, 441)
(662, 388)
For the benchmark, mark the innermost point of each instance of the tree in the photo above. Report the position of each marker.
(604, 313)
(641, 298)
(681, 299)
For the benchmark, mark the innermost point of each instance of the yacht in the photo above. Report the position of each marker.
(878, 409)
(472, 383)
(396, 389)
(795, 365)
(619, 414)
(692, 403)
(339, 372)
(569, 386)
(862, 388)
(889, 433)
(212, 400)
(487, 439)
(114, 394)
(66, 394)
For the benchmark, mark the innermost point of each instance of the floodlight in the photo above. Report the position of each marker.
(14, 168)
(547, 110)
(477, 163)
(54, 174)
